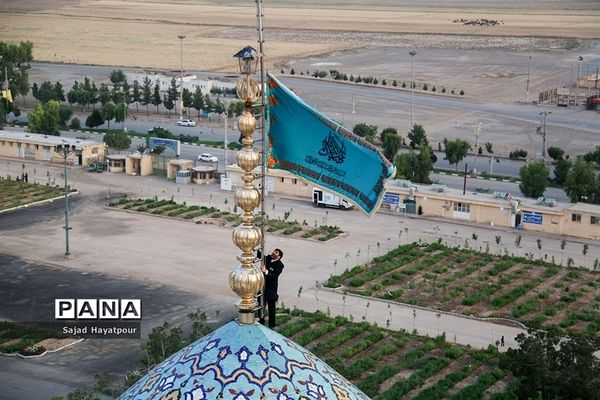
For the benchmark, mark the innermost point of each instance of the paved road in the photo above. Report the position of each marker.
(173, 261)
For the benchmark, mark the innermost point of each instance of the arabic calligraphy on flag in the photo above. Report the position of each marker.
(313, 146)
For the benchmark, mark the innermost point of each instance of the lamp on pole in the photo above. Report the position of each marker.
(65, 151)
(541, 130)
(412, 53)
(181, 37)
(226, 144)
(477, 130)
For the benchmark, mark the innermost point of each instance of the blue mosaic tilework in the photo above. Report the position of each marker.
(243, 362)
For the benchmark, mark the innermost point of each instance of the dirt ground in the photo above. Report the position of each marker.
(143, 33)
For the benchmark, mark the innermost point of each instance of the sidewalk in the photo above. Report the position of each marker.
(458, 329)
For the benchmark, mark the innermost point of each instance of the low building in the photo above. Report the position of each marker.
(35, 146)
(493, 209)
(138, 164)
(497, 209)
(204, 174)
(177, 164)
(277, 181)
(116, 162)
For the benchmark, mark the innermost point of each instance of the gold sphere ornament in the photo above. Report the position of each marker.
(246, 123)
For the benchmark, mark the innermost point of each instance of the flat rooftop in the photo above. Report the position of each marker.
(46, 140)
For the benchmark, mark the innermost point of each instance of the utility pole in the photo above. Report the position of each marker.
(181, 37)
(354, 108)
(577, 83)
(412, 53)
(65, 151)
(477, 129)
(528, 70)
(541, 130)
(226, 163)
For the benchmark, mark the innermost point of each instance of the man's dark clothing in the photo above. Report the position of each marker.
(274, 269)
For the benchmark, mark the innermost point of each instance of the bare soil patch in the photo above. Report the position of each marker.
(144, 33)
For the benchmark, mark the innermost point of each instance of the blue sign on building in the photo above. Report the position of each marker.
(172, 144)
(531, 217)
(391, 198)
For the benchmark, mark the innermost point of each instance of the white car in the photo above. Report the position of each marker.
(207, 157)
(186, 122)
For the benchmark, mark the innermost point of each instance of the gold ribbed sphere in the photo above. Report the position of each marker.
(247, 159)
(248, 90)
(246, 123)
(246, 238)
(246, 282)
(247, 198)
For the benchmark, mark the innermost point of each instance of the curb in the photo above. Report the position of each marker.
(17, 354)
(473, 317)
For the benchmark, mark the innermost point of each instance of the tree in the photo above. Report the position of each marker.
(489, 148)
(417, 136)
(391, 145)
(94, 119)
(172, 92)
(163, 341)
(593, 156)
(390, 130)
(456, 150)
(104, 94)
(108, 112)
(581, 183)
(555, 153)
(65, 112)
(168, 103)
(121, 114)
(46, 92)
(561, 171)
(188, 100)
(156, 100)
(198, 100)
(45, 118)
(534, 179)
(136, 95)
(146, 94)
(364, 130)
(117, 140)
(117, 77)
(415, 167)
(59, 93)
(549, 366)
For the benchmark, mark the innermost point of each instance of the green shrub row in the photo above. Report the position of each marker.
(439, 389)
(402, 387)
(515, 293)
(478, 388)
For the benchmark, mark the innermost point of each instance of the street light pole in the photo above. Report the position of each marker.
(181, 37)
(412, 53)
(477, 129)
(226, 163)
(541, 130)
(65, 151)
(577, 83)
(528, 71)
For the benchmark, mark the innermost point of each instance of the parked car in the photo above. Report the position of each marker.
(97, 167)
(207, 157)
(186, 122)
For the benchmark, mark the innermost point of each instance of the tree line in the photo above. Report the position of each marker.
(14, 62)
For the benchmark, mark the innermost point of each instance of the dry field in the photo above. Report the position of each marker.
(144, 33)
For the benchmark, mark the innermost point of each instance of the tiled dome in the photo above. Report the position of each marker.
(243, 362)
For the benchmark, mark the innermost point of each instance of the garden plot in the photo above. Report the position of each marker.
(397, 365)
(214, 216)
(535, 292)
(15, 194)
